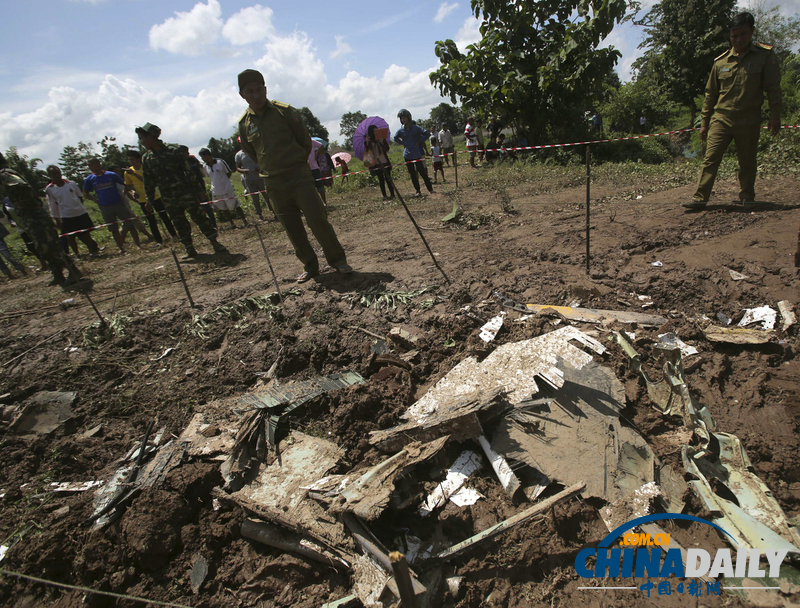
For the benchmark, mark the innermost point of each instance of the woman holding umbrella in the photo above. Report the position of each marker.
(377, 159)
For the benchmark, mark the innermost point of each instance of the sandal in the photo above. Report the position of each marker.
(307, 276)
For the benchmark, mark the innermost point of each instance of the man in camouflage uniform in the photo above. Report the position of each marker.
(166, 167)
(274, 136)
(33, 218)
(732, 108)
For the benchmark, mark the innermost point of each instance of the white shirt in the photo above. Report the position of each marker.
(65, 201)
(469, 133)
(446, 139)
(220, 182)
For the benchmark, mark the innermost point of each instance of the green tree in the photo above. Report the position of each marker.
(312, 123)
(682, 38)
(348, 126)
(774, 28)
(224, 148)
(73, 161)
(28, 168)
(112, 154)
(444, 114)
(537, 64)
(632, 100)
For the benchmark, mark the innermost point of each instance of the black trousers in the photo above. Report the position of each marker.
(419, 166)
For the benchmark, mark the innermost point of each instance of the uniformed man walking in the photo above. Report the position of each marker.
(273, 134)
(166, 167)
(732, 108)
(30, 214)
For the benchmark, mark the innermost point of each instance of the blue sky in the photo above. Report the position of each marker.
(81, 69)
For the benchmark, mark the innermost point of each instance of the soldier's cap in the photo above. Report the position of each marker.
(742, 19)
(249, 76)
(148, 128)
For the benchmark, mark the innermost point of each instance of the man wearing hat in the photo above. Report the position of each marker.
(273, 134)
(732, 108)
(165, 167)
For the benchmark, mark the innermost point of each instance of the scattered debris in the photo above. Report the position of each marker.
(164, 354)
(464, 466)
(368, 495)
(737, 276)
(508, 480)
(738, 335)
(93, 432)
(3, 550)
(585, 315)
(636, 504)
(458, 416)
(512, 366)
(671, 339)
(575, 435)
(490, 329)
(403, 338)
(286, 540)
(44, 412)
(788, 316)
(509, 523)
(376, 297)
(657, 264)
(763, 314)
(74, 486)
(738, 500)
(199, 572)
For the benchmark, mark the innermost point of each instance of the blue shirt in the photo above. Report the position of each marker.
(106, 187)
(412, 139)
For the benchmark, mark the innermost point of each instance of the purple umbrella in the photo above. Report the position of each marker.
(362, 131)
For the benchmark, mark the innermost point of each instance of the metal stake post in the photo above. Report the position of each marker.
(588, 181)
(266, 255)
(183, 279)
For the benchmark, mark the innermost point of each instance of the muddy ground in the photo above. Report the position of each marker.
(524, 239)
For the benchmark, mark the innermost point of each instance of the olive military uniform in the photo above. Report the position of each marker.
(170, 171)
(732, 111)
(279, 142)
(30, 214)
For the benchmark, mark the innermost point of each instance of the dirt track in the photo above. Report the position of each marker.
(534, 254)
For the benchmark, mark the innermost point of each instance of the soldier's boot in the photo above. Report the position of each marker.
(58, 278)
(191, 252)
(218, 247)
(74, 273)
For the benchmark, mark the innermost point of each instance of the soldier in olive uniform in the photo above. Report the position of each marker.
(274, 136)
(166, 167)
(30, 214)
(732, 108)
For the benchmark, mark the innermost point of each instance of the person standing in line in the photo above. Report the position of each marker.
(448, 145)
(412, 137)
(313, 163)
(472, 140)
(134, 185)
(110, 202)
(199, 177)
(251, 180)
(732, 109)
(225, 199)
(30, 215)
(376, 158)
(345, 169)
(167, 167)
(66, 208)
(481, 139)
(436, 156)
(274, 135)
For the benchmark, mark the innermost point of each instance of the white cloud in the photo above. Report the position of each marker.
(469, 33)
(249, 25)
(444, 10)
(625, 38)
(342, 48)
(191, 33)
